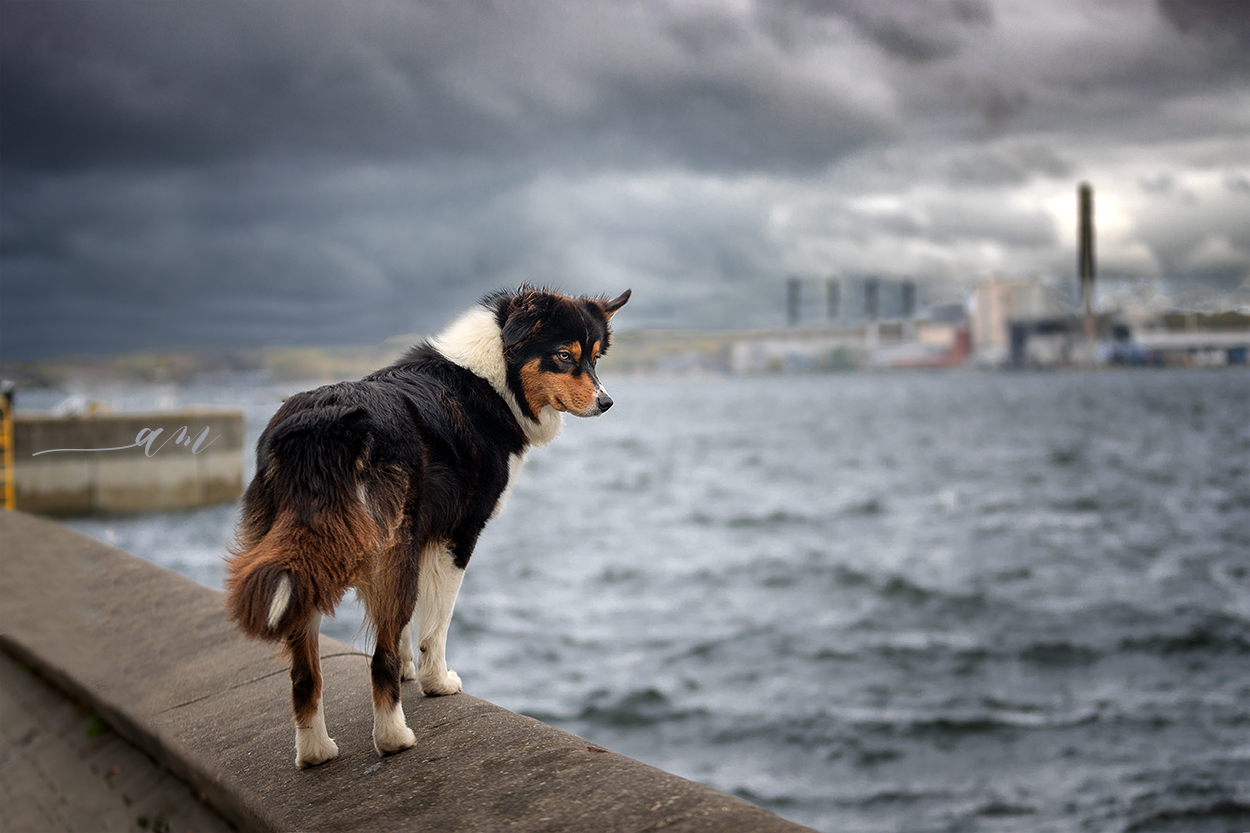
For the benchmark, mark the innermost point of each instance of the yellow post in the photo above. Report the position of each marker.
(6, 440)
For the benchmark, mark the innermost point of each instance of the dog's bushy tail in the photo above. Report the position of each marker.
(305, 532)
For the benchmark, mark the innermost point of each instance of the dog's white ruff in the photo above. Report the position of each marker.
(475, 342)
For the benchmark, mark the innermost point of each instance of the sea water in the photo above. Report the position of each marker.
(950, 602)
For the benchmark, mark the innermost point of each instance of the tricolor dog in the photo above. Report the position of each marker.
(383, 485)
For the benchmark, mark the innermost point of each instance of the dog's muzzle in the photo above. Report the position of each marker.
(601, 404)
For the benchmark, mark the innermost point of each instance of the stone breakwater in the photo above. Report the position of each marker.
(153, 655)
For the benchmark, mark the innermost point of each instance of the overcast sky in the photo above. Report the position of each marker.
(313, 172)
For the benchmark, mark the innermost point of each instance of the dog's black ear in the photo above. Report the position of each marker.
(612, 306)
(526, 312)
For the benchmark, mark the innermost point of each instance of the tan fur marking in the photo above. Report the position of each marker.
(532, 383)
(573, 394)
(562, 391)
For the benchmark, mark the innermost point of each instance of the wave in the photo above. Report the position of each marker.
(871, 737)
(789, 517)
(1211, 633)
(634, 709)
(1218, 815)
(777, 518)
(1059, 653)
(1067, 456)
(998, 808)
(898, 588)
(1219, 637)
(864, 509)
(885, 799)
(972, 723)
(1077, 505)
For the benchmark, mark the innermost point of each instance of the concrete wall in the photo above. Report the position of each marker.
(153, 655)
(54, 476)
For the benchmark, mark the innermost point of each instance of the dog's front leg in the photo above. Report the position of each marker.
(408, 671)
(313, 744)
(437, 587)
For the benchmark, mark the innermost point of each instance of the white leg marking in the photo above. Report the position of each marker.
(438, 584)
(313, 744)
(408, 671)
(390, 731)
(281, 598)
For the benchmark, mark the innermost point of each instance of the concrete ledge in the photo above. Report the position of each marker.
(153, 654)
(63, 771)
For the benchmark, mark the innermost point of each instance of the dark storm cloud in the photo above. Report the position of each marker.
(1217, 20)
(202, 161)
(173, 84)
(1007, 166)
(915, 32)
(143, 84)
(323, 172)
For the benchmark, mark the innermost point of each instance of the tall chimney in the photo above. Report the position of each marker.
(793, 300)
(1085, 257)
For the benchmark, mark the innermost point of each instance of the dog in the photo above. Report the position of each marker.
(384, 485)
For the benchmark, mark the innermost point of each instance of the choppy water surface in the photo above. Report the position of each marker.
(875, 603)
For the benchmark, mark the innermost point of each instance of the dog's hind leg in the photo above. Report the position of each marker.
(389, 601)
(313, 744)
(390, 730)
(438, 587)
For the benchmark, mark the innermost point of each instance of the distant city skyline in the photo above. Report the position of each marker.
(321, 173)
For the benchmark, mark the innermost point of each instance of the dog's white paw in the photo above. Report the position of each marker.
(394, 741)
(409, 671)
(311, 750)
(448, 684)
(390, 733)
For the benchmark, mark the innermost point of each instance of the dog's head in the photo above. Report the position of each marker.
(551, 343)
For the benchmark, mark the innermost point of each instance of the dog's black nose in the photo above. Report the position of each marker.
(604, 402)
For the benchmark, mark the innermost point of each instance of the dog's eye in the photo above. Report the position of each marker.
(564, 356)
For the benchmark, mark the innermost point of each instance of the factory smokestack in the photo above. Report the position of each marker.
(794, 301)
(1085, 257)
